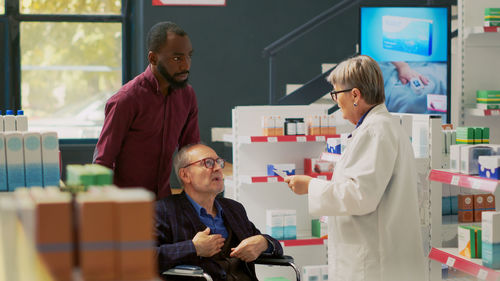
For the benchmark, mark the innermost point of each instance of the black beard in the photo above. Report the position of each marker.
(174, 84)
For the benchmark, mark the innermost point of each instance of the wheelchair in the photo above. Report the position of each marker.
(262, 260)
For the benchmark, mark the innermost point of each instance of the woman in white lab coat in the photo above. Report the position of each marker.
(373, 225)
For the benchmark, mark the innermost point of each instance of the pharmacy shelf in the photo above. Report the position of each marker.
(474, 267)
(466, 181)
(480, 30)
(305, 138)
(483, 112)
(273, 179)
(303, 242)
(331, 157)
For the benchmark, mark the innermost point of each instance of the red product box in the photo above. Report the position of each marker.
(314, 165)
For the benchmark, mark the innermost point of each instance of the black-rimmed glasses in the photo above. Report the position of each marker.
(333, 94)
(209, 162)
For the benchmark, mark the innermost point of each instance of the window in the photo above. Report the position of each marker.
(2, 6)
(65, 7)
(70, 62)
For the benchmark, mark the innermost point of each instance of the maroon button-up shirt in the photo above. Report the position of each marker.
(142, 129)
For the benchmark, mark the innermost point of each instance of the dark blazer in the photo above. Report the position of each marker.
(177, 223)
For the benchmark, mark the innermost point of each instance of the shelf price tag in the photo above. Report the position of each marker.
(272, 179)
(320, 138)
(476, 184)
(322, 177)
(301, 139)
(495, 112)
(272, 139)
(450, 262)
(482, 274)
(454, 180)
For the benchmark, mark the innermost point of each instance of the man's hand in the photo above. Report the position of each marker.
(250, 249)
(207, 245)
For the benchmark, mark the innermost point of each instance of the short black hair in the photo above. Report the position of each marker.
(157, 35)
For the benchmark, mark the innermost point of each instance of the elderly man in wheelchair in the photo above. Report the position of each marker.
(212, 235)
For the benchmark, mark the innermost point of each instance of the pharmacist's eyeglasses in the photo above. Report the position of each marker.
(209, 163)
(333, 94)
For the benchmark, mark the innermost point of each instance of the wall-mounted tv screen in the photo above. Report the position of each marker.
(411, 45)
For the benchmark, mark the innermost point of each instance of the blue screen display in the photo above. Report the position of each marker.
(411, 46)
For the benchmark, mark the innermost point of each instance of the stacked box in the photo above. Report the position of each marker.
(275, 223)
(469, 241)
(491, 239)
(334, 145)
(469, 156)
(279, 126)
(32, 159)
(95, 222)
(314, 165)
(313, 125)
(290, 224)
(54, 236)
(267, 124)
(488, 99)
(15, 160)
(492, 17)
(87, 175)
(483, 203)
(318, 228)
(134, 237)
(465, 208)
(455, 157)
(465, 135)
(489, 166)
(50, 159)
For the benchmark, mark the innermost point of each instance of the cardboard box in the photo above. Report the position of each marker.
(135, 242)
(313, 125)
(95, 222)
(50, 159)
(267, 124)
(15, 160)
(314, 165)
(32, 159)
(491, 239)
(54, 234)
(289, 224)
(482, 203)
(489, 166)
(275, 223)
(465, 208)
(469, 241)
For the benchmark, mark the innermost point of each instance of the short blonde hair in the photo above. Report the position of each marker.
(361, 72)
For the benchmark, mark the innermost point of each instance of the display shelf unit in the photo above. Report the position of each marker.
(483, 112)
(303, 242)
(473, 267)
(449, 256)
(274, 179)
(476, 66)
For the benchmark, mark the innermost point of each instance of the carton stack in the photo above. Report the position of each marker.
(492, 17)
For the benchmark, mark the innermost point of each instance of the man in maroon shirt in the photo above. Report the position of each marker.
(152, 115)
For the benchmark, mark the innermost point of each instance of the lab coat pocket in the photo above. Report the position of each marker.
(350, 262)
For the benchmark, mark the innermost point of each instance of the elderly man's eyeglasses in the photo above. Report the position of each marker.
(333, 94)
(209, 162)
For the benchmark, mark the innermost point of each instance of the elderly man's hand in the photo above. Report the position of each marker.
(207, 245)
(250, 249)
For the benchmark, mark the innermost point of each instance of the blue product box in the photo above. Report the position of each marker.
(489, 167)
(491, 255)
(409, 35)
(289, 169)
(446, 206)
(454, 205)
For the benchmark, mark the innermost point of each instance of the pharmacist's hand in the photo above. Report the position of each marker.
(406, 73)
(250, 249)
(207, 245)
(298, 184)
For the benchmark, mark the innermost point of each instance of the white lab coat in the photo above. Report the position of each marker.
(373, 225)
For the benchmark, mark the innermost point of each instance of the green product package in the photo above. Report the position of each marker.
(492, 11)
(465, 135)
(486, 135)
(478, 135)
(485, 94)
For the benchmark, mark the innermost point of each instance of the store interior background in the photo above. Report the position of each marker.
(228, 68)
